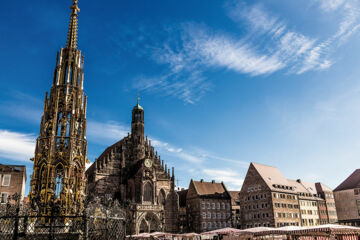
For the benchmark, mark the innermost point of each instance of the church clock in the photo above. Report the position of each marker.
(148, 163)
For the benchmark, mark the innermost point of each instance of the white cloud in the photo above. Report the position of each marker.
(16, 146)
(231, 179)
(105, 133)
(330, 5)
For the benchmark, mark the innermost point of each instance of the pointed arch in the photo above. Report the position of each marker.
(143, 228)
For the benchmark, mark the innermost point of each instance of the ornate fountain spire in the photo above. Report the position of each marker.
(61, 148)
(73, 26)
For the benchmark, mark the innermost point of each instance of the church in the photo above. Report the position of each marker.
(131, 170)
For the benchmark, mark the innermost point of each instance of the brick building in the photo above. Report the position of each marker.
(347, 200)
(12, 180)
(268, 199)
(208, 206)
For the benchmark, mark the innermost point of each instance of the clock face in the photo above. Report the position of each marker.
(148, 163)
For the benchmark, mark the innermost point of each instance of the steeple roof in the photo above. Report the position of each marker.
(137, 106)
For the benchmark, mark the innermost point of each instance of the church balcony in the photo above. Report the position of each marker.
(147, 207)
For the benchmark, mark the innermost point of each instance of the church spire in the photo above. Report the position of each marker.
(73, 25)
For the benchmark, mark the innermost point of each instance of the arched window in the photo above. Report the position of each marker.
(148, 192)
(59, 175)
(59, 124)
(162, 197)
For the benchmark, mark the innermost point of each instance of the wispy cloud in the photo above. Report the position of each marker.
(295, 51)
(330, 5)
(16, 146)
(231, 178)
(105, 133)
(193, 49)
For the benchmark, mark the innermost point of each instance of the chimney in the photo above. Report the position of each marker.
(298, 180)
(212, 181)
(201, 180)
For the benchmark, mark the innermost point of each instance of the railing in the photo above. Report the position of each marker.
(96, 222)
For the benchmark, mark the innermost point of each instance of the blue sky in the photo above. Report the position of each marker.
(223, 83)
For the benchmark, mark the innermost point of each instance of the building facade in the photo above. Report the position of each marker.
(308, 203)
(268, 199)
(328, 200)
(133, 172)
(208, 206)
(235, 209)
(347, 200)
(60, 153)
(12, 180)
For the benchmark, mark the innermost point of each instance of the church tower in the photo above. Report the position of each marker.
(60, 153)
(137, 124)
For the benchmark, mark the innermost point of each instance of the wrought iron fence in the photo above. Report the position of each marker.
(96, 221)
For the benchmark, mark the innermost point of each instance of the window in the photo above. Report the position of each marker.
(223, 205)
(214, 224)
(58, 181)
(208, 206)
(202, 205)
(4, 197)
(204, 225)
(357, 191)
(219, 215)
(209, 215)
(218, 205)
(214, 215)
(6, 180)
(203, 215)
(148, 192)
(213, 205)
(209, 225)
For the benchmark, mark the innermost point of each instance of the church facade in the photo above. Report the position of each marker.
(133, 172)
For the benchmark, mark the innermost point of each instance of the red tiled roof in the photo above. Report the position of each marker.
(207, 188)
